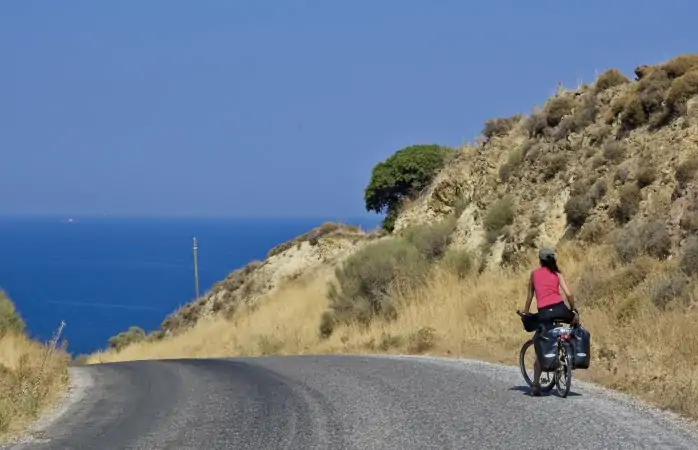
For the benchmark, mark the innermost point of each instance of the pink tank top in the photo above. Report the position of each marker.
(546, 286)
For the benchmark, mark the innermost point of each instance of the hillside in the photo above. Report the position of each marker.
(604, 172)
(32, 374)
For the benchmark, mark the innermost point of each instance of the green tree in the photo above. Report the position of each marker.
(403, 175)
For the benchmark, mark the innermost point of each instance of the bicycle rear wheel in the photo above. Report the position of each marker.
(527, 357)
(563, 374)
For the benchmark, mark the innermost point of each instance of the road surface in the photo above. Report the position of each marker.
(343, 402)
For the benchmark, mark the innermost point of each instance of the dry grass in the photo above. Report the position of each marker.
(32, 377)
(637, 348)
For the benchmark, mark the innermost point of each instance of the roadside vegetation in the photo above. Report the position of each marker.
(32, 374)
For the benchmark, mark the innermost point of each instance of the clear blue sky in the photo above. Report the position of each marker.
(281, 108)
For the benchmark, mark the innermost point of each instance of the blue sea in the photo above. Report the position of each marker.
(103, 275)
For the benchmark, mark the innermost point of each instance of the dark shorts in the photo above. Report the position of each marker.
(558, 311)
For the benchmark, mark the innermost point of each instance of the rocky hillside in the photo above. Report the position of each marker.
(303, 255)
(617, 154)
(609, 162)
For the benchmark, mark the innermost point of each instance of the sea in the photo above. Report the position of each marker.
(103, 275)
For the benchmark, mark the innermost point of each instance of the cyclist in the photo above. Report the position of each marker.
(545, 282)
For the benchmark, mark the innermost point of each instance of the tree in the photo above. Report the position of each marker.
(403, 175)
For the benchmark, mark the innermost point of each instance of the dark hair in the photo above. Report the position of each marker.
(550, 263)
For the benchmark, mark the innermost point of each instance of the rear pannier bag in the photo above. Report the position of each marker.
(581, 345)
(545, 345)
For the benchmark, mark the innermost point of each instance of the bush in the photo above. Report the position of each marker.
(680, 65)
(556, 109)
(431, 240)
(458, 262)
(652, 239)
(686, 171)
(515, 158)
(668, 289)
(553, 165)
(577, 209)
(646, 175)
(422, 340)
(403, 175)
(501, 126)
(365, 279)
(10, 319)
(628, 205)
(681, 91)
(609, 79)
(614, 151)
(499, 215)
(536, 125)
(689, 259)
(126, 338)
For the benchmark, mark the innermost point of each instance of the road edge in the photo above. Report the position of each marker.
(80, 381)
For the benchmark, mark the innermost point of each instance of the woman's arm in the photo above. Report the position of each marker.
(566, 290)
(529, 295)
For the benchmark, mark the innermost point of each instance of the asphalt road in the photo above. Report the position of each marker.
(343, 402)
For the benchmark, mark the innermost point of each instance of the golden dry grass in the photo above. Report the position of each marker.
(32, 377)
(636, 348)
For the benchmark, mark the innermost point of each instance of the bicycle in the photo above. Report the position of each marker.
(562, 372)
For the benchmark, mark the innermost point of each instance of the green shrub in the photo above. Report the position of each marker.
(681, 91)
(536, 125)
(499, 215)
(500, 126)
(431, 240)
(668, 289)
(403, 176)
(458, 262)
(422, 340)
(10, 319)
(609, 79)
(365, 279)
(125, 338)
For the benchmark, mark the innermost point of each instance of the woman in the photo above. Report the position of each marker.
(545, 282)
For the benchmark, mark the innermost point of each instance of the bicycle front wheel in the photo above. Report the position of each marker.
(563, 374)
(527, 357)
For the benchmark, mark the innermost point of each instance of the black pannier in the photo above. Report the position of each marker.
(545, 345)
(530, 322)
(581, 345)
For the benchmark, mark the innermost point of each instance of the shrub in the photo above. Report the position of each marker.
(652, 239)
(403, 175)
(10, 319)
(125, 338)
(681, 91)
(536, 125)
(584, 115)
(614, 151)
(500, 126)
(422, 340)
(646, 175)
(598, 190)
(499, 215)
(609, 79)
(365, 279)
(515, 158)
(668, 289)
(458, 262)
(689, 259)
(628, 205)
(577, 209)
(685, 172)
(680, 65)
(431, 240)
(556, 109)
(553, 165)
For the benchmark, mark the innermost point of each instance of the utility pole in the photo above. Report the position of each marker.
(196, 270)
